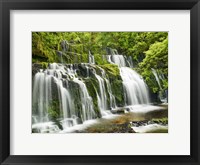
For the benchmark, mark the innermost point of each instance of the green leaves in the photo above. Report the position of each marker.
(156, 57)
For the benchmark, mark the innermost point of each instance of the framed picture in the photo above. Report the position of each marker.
(98, 82)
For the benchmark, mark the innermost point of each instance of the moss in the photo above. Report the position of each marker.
(113, 74)
(52, 113)
(54, 110)
(108, 96)
(117, 90)
(44, 65)
(161, 120)
(112, 70)
(163, 130)
(99, 59)
(84, 57)
(92, 86)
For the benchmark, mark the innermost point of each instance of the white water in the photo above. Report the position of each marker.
(102, 98)
(91, 58)
(87, 103)
(144, 108)
(120, 60)
(130, 61)
(42, 97)
(46, 127)
(157, 78)
(149, 128)
(116, 59)
(112, 97)
(135, 88)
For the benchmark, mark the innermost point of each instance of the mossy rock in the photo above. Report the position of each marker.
(160, 120)
(118, 92)
(36, 67)
(92, 86)
(111, 70)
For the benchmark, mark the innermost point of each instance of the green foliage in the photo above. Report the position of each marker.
(43, 46)
(157, 58)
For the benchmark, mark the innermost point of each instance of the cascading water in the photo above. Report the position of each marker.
(120, 60)
(102, 99)
(130, 61)
(159, 79)
(112, 97)
(66, 100)
(116, 59)
(135, 88)
(91, 58)
(59, 75)
(87, 104)
(41, 95)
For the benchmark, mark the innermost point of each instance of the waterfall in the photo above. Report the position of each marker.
(91, 58)
(65, 98)
(59, 75)
(102, 99)
(42, 94)
(116, 59)
(87, 104)
(112, 97)
(135, 88)
(129, 61)
(87, 71)
(159, 79)
(120, 60)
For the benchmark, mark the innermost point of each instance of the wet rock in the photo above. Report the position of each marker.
(146, 122)
(118, 111)
(34, 130)
(36, 68)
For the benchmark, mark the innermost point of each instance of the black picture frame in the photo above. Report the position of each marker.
(7, 5)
